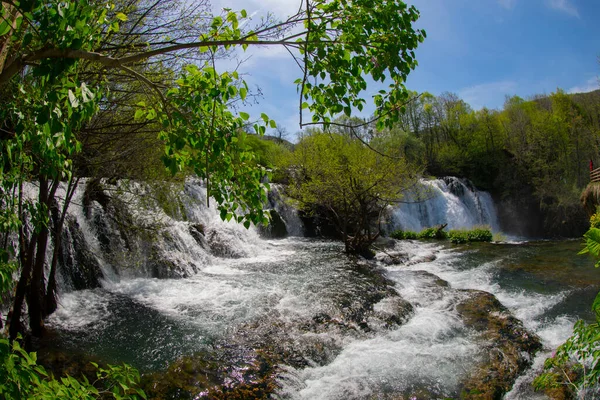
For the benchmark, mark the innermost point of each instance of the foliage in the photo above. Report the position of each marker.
(23, 378)
(592, 244)
(268, 152)
(336, 176)
(455, 235)
(403, 235)
(432, 233)
(362, 39)
(208, 138)
(595, 220)
(576, 363)
(470, 235)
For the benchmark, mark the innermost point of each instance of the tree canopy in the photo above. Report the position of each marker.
(336, 176)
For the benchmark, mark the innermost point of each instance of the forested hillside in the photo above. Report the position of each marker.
(533, 155)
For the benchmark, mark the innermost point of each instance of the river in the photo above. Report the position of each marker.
(349, 328)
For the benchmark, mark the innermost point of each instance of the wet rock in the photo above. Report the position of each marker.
(435, 280)
(76, 261)
(220, 246)
(197, 232)
(222, 373)
(422, 259)
(383, 242)
(393, 311)
(392, 258)
(276, 228)
(508, 351)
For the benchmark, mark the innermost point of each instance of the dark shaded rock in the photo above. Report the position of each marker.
(220, 246)
(509, 350)
(197, 232)
(76, 261)
(276, 228)
(94, 191)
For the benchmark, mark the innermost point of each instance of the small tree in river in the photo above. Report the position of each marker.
(348, 183)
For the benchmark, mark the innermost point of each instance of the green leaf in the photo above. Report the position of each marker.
(4, 28)
(244, 116)
(122, 17)
(139, 114)
(272, 124)
(592, 242)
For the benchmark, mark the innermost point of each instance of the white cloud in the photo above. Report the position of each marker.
(564, 6)
(487, 94)
(589, 86)
(508, 4)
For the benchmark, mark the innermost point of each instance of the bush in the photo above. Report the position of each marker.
(432, 233)
(403, 235)
(458, 236)
(473, 235)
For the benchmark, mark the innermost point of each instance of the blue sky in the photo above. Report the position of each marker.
(481, 50)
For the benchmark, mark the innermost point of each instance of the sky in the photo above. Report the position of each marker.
(482, 50)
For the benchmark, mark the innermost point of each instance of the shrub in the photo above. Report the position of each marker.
(403, 235)
(595, 220)
(474, 235)
(480, 235)
(458, 236)
(433, 233)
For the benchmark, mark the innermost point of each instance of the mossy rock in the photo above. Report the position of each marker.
(509, 350)
(225, 373)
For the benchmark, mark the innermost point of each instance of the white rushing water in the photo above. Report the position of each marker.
(226, 276)
(449, 201)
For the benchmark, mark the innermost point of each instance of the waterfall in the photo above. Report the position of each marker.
(451, 201)
(129, 230)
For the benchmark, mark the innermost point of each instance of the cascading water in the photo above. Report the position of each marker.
(449, 201)
(338, 328)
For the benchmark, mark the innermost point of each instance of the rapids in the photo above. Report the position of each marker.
(349, 329)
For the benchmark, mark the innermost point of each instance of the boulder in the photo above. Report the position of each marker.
(509, 347)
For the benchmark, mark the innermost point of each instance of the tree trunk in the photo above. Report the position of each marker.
(50, 303)
(37, 287)
(12, 15)
(26, 256)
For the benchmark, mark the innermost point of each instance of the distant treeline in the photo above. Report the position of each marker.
(533, 155)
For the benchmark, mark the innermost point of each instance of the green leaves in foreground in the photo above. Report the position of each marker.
(23, 378)
(592, 244)
(205, 136)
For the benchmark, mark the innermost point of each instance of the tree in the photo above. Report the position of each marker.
(57, 54)
(336, 176)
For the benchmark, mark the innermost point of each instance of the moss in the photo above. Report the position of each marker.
(510, 346)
